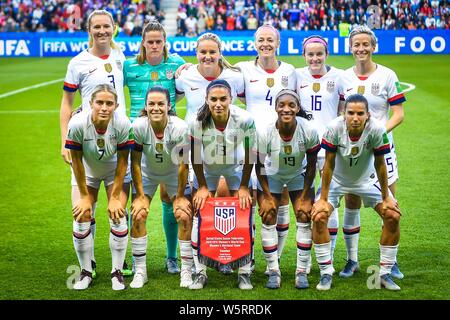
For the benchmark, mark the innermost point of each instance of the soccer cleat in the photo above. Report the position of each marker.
(387, 282)
(140, 278)
(325, 282)
(185, 278)
(84, 282)
(396, 273)
(126, 271)
(244, 282)
(350, 268)
(200, 282)
(117, 280)
(301, 280)
(225, 269)
(94, 267)
(172, 266)
(274, 281)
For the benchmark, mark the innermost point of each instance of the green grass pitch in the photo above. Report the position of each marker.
(36, 226)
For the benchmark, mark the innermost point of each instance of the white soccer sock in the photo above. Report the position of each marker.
(246, 269)
(333, 225)
(199, 267)
(283, 219)
(323, 256)
(253, 231)
(269, 240)
(139, 250)
(186, 254)
(388, 256)
(118, 241)
(351, 233)
(82, 242)
(93, 228)
(304, 243)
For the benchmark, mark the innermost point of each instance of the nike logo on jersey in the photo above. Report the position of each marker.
(139, 75)
(301, 87)
(193, 89)
(349, 89)
(90, 71)
(146, 144)
(251, 81)
(88, 139)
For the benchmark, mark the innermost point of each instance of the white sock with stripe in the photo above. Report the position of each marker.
(351, 230)
(388, 256)
(269, 240)
(118, 241)
(199, 267)
(283, 219)
(323, 256)
(333, 226)
(139, 251)
(187, 258)
(82, 242)
(304, 243)
(93, 228)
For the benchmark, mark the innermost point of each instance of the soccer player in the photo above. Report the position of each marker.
(381, 88)
(318, 88)
(99, 142)
(155, 66)
(282, 146)
(160, 137)
(264, 77)
(222, 136)
(354, 144)
(101, 63)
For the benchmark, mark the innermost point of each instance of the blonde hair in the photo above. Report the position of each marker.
(89, 21)
(223, 63)
(151, 26)
(104, 88)
(268, 26)
(363, 29)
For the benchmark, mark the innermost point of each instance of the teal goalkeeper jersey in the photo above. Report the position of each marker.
(140, 77)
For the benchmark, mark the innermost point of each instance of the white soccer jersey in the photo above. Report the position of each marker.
(354, 159)
(86, 71)
(381, 89)
(285, 158)
(223, 152)
(193, 85)
(99, 149)
(262, 87)
(160, 156)
(319, 95)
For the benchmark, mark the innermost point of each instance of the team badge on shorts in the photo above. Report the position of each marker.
(169, 74)
(108, 67)
(316, 87)
(361, 89)
(224, 219)
(284, 81)
(375, 89)
(330, 86)
(287, 149)
(154, 76)
(354, 151)
(119, 64)
(159, 147)
(100, 143)
(270, 82)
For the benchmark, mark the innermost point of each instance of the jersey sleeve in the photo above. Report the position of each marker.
(182, 140)
(380, 142)
(312, 141)
(292, 79)
(240, 85)
(248, 125)
(72, 79)
(125, 72)
(138, 136)
(179, 84)
(329, 139)
(74, 140)
(125, 138)
(262, 145)
(394, 90)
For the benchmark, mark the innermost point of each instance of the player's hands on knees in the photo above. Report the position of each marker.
(267, 207)
(245, 198)
(181, 205)
(181, 68)
(303, 207)
(65, 154)
(390, 204)
(115, 209)
(83, 208)
(320, 206)
(139, 207)
(200, 198)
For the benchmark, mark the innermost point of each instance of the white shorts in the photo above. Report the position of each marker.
(233, 181)
(151, 184)
(107, 179)
(277, 183)
(370, 193)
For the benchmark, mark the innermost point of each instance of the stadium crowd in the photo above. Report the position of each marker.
(195, 16)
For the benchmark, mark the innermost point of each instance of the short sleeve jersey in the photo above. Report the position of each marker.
(99, 149)
(86, 71)
(354, 159)
(223, 151)
(193, 85)
(262, 87)
(319, 95)
(140, 77)
(160, 156)
(285, 158)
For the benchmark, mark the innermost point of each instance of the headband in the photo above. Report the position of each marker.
(315, 39)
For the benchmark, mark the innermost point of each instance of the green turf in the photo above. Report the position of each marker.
(36, 240)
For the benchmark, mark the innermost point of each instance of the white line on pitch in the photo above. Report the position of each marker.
(7, 94)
